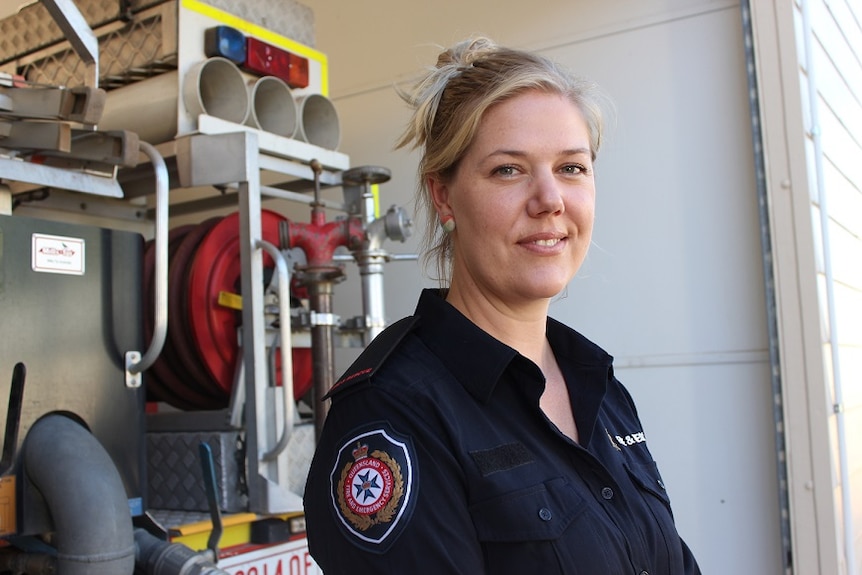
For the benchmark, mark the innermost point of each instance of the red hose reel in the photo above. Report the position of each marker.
(197, 367)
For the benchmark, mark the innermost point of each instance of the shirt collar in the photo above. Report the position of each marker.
(587, 369)
(475, 358)
(478, 360)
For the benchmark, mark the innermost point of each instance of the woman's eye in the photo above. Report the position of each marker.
(574, 169)
(505, 171)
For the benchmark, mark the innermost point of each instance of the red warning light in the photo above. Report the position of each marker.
(267, 60)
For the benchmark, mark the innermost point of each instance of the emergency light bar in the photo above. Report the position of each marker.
(256, 56)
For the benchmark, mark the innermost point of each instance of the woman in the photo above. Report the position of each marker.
(479, 435)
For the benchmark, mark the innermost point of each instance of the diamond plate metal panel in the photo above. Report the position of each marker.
(127, 54)
(300, 451)
(174, 471)
(32, 28)
(286, 17)
(167, 518)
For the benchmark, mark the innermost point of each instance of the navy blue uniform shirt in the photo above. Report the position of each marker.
(436, 458)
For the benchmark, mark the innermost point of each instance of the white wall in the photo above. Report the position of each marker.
(673, 284)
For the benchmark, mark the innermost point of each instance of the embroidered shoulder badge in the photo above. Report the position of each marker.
(373, 484)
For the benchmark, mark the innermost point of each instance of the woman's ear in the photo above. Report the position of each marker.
(439, 195)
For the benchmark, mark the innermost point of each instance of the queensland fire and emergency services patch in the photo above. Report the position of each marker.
(373, 486)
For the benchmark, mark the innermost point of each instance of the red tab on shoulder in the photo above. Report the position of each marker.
(375, 354)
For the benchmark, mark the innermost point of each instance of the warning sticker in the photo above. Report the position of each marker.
(57, 255)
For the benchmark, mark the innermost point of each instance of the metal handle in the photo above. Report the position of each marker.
(135, 364)
(13, 417)
(210, 486)
(284, 348)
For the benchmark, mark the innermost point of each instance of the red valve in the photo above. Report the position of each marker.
(319, 239)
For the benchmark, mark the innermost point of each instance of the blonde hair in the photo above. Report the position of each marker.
(448, 104)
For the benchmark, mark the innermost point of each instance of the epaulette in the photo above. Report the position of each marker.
(375, 354)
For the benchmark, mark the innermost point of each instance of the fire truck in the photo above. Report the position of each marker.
(175, 216)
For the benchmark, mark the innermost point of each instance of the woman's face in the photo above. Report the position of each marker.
(523, 200)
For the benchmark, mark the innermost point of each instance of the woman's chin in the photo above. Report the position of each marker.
(543, 290)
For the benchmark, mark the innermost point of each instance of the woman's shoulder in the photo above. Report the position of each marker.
(374, 355)
(396, 382)
(394, 358)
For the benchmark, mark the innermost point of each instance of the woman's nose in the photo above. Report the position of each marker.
(547, 196)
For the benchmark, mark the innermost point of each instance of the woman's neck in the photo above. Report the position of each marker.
(521, 327)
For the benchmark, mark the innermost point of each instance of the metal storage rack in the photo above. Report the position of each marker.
(231, 158)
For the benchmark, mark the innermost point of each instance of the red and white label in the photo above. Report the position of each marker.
(291, 558)
(57, 254)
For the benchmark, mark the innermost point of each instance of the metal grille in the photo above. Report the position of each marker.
(125, 56)
(32, 28)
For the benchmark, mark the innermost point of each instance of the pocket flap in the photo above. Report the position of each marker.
(537, 513)
(646, 475)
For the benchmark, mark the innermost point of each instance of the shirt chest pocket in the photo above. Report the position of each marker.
(663, 535)
(545, 528)
(538, 513)
(647, 478)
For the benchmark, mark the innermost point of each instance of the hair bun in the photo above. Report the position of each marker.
(463, 54)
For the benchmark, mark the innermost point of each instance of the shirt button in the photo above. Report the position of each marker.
(644, 572)
(545, 514)
(607, 493)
